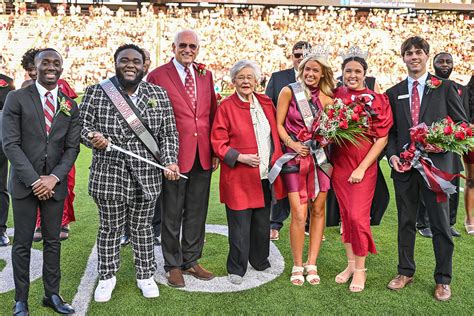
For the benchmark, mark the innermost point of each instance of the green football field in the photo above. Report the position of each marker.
(277, 296)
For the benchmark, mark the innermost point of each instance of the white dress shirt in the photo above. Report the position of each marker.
(42, 93)
(182, 74)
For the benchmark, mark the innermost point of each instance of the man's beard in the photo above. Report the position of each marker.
(129, 83)
(440, 73)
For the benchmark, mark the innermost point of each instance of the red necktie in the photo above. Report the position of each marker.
(189, 86)
(415, 103)
(48, 110)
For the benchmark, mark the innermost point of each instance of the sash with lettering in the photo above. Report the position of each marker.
(131, 115)
(308, 178)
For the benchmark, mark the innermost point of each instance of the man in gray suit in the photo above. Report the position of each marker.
(41, 140)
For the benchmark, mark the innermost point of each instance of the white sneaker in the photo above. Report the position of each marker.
(148, 287)
(103, 291)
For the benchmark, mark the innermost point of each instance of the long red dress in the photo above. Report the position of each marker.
(355, 199)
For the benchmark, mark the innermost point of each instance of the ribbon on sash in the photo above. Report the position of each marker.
(131, 115)
(308, 178)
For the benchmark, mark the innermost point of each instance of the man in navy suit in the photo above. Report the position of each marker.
(278, 81)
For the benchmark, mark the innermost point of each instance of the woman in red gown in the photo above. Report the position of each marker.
(355, 173)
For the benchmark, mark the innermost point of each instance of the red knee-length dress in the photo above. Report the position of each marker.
(355, 199)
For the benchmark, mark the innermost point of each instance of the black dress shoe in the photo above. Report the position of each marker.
(57, 303)
(454, 232)
(4, 240)
(20, 309)
(426, 232)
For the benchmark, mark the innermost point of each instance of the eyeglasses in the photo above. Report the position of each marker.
(298, 55)
(184, 45)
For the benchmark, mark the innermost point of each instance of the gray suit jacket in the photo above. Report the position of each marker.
(116, 176)
(30, 151)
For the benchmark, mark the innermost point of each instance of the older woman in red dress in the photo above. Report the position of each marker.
(355, 171)
(245, 138)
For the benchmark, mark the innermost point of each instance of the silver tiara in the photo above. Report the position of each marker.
(355, 51)
(316, 51)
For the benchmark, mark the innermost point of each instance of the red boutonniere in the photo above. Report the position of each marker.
(201, 69)
(3, 83)
(65, 106)
(432, 83)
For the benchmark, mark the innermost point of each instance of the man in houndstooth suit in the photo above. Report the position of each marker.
(124, 187)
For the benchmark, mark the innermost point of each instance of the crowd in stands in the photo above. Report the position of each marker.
(266, 35)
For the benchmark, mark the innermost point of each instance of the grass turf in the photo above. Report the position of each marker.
(278, 296)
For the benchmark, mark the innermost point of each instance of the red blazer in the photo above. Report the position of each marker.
(232, 134)
(193, 124)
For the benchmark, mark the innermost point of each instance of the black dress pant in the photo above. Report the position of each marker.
(249, 236)
(185, 204)
(408, 195)
(24, 217)
(279, 213)
(423, 221)
(4, 198)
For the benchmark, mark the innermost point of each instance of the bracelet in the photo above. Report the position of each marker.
(287, 140)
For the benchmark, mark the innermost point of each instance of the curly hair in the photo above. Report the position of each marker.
(129, 46)
(29, 57)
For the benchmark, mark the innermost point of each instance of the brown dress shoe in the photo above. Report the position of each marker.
(442, 292)
(175, 278)
(199, 273)
(399, 282)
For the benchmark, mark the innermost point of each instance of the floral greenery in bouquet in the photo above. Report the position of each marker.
(450, 136)
(345, 121)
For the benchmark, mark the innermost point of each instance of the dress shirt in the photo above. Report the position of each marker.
(421, 86)
(42, 92)
(182, 74)
(263, 135)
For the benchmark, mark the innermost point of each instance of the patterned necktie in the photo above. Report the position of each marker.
(189, 86)
(48, 110)
(415, 103)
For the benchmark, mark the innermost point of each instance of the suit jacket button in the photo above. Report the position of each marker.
(195, 134)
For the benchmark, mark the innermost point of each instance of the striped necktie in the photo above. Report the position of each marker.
(415, 103)
(48, 110)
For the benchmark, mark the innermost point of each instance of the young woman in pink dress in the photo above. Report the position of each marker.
(316, 78)
(355, 172)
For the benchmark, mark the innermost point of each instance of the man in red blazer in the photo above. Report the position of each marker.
(191, 90)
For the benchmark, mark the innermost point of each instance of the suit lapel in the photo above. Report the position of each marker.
(57, 115)
(405, 102)
(174, 76)
(425, 99)
(142, 101)
(200, 82)
(38, 106)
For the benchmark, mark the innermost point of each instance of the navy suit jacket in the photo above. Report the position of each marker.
(278, 81)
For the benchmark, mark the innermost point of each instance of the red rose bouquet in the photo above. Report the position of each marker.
(346, 120)
(441, 136)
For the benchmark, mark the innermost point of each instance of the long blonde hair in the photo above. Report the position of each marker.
(326, 83)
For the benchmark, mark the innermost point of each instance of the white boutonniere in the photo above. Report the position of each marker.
(152, 103)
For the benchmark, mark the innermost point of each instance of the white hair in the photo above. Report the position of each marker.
(178, 35)
(244, 63)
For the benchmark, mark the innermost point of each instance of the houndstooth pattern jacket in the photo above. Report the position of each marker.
(114, 175)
